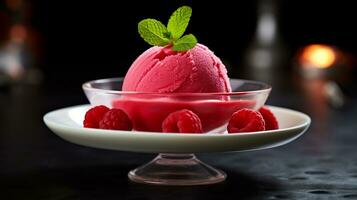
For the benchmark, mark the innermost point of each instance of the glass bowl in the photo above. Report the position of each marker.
(148, 110)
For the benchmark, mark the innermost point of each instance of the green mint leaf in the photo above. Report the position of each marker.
(168, 35)
(178, 21)
(153, 32)
(185, 43)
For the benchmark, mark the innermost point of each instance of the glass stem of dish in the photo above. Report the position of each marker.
(176, 169)
(176, 157)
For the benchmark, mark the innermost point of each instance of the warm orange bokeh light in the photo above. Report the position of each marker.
(14, 4)
(320, 56)
(18, 33)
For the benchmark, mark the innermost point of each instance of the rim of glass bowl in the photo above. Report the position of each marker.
(87, 86)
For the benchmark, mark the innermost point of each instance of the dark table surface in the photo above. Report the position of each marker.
(36, 164)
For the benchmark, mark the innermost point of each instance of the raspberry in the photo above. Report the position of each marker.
(116, 119)
(270, 121)
(182, 121)
(246, 120)
(93, 116)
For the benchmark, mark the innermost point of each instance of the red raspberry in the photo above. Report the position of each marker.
(182, 121)
(270, 121)
(246, 120)
(93, 116)
(116, 119)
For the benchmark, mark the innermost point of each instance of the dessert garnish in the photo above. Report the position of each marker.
(116, 119)
(271, 123)
(246, 120)
(182, 121)
(94, 115)
(156, 33)
(104, 118)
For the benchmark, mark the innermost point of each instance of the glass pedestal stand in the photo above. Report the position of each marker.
(176, 169)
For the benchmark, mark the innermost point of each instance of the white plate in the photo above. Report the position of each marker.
(67, 123)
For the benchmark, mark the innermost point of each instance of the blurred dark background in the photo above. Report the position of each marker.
(306, 49)
(70, 42)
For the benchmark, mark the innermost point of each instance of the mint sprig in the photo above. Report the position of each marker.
(155, 33)
(184, 43)
(178, 21)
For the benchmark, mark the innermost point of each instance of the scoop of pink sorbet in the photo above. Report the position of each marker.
(159, 69)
